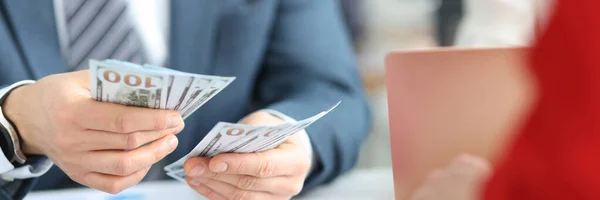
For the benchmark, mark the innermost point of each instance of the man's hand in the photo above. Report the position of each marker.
(275, 174)
(100, 145)
(462, 180)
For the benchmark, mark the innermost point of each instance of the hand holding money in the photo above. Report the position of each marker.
(85, 138)
(242, 138)
(278, 173)
(269, 141)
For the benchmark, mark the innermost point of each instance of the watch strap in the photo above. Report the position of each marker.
(6, 143)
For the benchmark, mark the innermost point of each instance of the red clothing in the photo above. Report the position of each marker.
(557, 154)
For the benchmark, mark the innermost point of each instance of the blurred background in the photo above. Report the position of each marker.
(387, 25)
(380, 26)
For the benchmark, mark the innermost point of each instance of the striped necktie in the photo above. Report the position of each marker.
(100, 29)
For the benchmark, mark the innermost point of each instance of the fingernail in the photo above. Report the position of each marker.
(171, 144)
(195, 182)
(220, 167)
(198, 170)
(175, 121)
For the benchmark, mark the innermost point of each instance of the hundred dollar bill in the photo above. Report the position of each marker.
(273, 142)
(152, 86)
(275, 134)
(270, 137)
(264, 133)
(178, 174)
(198, 85)
(128, 85)
(185, 89)
(222, 134)
(204, 94)
(182, 85)
(228, 137)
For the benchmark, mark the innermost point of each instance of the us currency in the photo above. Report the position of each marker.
(229, 137)
(190, 87)
(152, 86)
(126, 85)
(269, 137)
(203, 91)
(178, 174)
(219, 136)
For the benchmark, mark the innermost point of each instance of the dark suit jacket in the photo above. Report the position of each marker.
(293, 56)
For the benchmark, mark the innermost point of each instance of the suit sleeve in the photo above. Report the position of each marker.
(309, 67)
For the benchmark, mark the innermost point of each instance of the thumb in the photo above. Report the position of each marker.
(261, 118)
(81, 78)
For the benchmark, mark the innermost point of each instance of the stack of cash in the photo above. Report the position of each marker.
(152, 86)
(162, 88)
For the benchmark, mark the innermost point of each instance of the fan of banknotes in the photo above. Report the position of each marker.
(152, 86)
(162, 88)
(239, 138)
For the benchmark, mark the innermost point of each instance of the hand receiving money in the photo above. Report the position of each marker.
(278, 173)
(241, 138)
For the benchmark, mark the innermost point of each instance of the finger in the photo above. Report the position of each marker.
(280, 185)
(275, 162)
(206, 191)
(102, 140)
(197, 167)
(124, 119)
(123, 163)
(229, 191)
(113, 184)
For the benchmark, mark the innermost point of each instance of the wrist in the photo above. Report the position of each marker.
(14, 112)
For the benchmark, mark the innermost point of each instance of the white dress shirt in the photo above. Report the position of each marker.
(151, 19)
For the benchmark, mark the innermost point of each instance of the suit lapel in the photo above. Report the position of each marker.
(194, 28)
(34, 23)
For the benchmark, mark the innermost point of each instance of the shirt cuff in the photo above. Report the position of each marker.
(34, 167)
(303, 135)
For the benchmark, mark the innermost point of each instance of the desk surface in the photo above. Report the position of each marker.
(359, 184)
